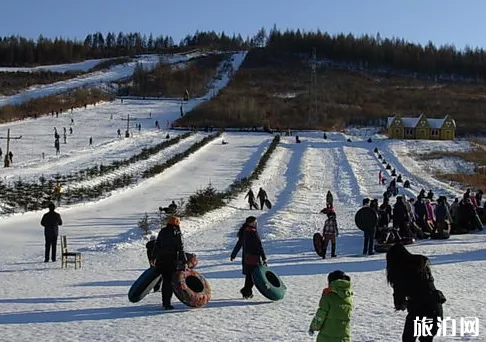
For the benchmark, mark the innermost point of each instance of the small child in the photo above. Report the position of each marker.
(329, 233)
(333, 317)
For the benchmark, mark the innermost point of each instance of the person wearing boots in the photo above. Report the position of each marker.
(330, 232)
(51, 222)
(253, 253)
(262, 195)
(169, 257)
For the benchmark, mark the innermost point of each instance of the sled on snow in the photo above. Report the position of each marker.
(268, 283)
(318, 244)
(144, 284)
(268, 204)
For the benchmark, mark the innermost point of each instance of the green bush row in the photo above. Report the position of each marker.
(159, 168)
(208, 199)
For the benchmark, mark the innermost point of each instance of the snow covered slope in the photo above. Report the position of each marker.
(43, 302)
(114, 73)
(80, 66)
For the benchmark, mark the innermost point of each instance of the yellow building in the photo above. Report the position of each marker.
(421, 128)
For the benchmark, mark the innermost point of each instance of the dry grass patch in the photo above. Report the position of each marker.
(343, 97)
(172, 80)
(53, 103)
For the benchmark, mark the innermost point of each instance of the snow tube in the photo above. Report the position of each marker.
(268, 204)
(407, 241)
(317, 239)
(268, 283)
(382, 247)
(191, 288)
(143, 285)
(442, 236)
(366, 219)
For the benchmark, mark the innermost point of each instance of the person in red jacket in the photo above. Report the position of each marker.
(253, 253)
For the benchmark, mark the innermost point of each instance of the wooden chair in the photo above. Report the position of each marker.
(69, 257)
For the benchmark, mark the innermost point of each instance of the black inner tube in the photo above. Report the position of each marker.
(272, 279)
(194, 284)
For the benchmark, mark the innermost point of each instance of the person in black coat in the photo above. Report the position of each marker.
(414, 290)
(251, 199)
(253, 253)
(262, 195)
(169, 257)
(51, 222)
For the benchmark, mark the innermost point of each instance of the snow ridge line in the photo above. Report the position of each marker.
(137, 167)
(237, 187)
(106, 188)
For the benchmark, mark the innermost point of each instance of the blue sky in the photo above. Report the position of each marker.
(441, 21)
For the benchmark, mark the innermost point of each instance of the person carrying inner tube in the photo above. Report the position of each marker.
(253, 253)
(169, 257)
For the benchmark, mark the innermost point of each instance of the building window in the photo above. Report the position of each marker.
(434, 133)
(409, 132)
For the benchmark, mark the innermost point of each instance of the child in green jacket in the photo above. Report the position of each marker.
(333, 317)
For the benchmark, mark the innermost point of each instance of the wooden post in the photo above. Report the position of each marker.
(8, 137)
(127, 132)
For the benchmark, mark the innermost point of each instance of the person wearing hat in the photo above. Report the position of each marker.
(330, 232)
(169, 257)
(51, 222)
(333, 318)
(253, 253)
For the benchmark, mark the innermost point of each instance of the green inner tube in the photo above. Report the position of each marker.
(268, 283)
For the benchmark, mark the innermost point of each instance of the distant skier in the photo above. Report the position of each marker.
(380, 177)
(70, 130)
(262, 195)
(119, 133)
(90, 141)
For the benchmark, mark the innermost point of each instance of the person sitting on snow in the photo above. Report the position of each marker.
(329, 233)
(333, 318)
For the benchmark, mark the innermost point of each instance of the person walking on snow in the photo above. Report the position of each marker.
(262, 195)
(414, 291)
(330, 232)
(253, 253)
(251, 199)
(169, 257)
(333, 318)
(51, 222)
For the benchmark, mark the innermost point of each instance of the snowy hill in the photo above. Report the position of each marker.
(114, 73)
(44, 302)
